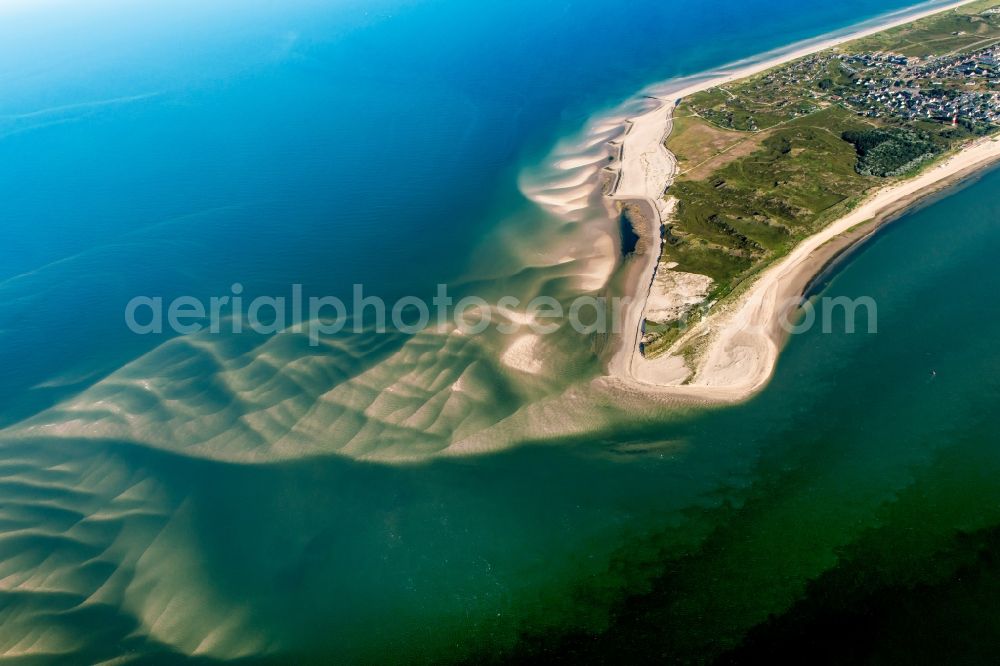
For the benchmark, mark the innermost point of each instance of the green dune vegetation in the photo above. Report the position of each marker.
(765, 161)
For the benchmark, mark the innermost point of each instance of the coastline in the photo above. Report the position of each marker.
(741, 341)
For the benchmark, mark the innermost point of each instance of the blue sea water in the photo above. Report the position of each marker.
(177, 148)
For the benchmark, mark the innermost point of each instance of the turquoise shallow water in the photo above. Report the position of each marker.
(228, 498)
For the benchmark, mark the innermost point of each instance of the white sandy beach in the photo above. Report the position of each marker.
(740, 341)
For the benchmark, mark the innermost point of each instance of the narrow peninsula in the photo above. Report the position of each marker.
(754, 180)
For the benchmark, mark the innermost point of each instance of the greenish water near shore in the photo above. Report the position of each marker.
(859, 485)
(865, 526)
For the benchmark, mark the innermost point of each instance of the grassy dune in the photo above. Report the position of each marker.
(759, 204)
(958, 30)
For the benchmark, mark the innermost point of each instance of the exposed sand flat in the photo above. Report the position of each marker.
(577, 162)
(740, 342)
(647, 167)
(595, 270)
(522, 354)
(577, 177)
(564, 200)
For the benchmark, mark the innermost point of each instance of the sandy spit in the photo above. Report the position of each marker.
(739, 343)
